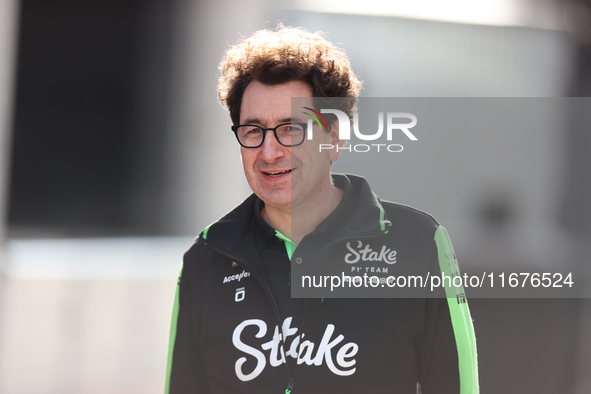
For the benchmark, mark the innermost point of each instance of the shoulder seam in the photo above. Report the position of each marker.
(404, 206)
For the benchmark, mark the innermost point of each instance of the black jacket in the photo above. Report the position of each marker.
(227, 335)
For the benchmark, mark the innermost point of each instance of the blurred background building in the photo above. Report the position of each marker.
(114, 154)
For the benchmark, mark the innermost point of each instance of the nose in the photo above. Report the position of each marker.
(271, 148)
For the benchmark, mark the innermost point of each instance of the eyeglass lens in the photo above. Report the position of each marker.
(287, 134)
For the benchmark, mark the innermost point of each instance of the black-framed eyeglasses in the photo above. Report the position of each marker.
(287, 134)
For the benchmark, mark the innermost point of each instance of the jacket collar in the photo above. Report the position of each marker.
(359, 214)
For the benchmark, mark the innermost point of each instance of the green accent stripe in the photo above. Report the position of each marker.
(172, 338)
(382, 213)
(460, 316)
(206, 231)
(289, 244)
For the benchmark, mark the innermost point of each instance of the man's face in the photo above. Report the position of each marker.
(284, 177)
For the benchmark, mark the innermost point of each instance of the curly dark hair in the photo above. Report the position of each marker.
(283, 55)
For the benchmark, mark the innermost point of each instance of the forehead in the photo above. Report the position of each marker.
(268, 104)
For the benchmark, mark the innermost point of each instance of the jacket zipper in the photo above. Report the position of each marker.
(289, 387)
(290, 384)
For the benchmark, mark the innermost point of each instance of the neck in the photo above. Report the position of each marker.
(297, 221)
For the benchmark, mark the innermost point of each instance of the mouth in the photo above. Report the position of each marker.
(277, 174)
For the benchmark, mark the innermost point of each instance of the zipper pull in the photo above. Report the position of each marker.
(289, 388)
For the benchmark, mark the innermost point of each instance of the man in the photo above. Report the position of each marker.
(235, 327)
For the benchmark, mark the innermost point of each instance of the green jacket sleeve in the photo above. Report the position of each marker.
(185, 369)
(449, 333)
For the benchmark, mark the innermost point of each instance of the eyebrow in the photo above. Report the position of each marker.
(256, 120)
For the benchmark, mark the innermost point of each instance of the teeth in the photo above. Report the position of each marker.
(276, 173)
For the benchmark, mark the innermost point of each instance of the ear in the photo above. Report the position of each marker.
(334, 153)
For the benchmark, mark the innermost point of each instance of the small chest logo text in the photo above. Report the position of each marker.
(386, 255)
(238, 277)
